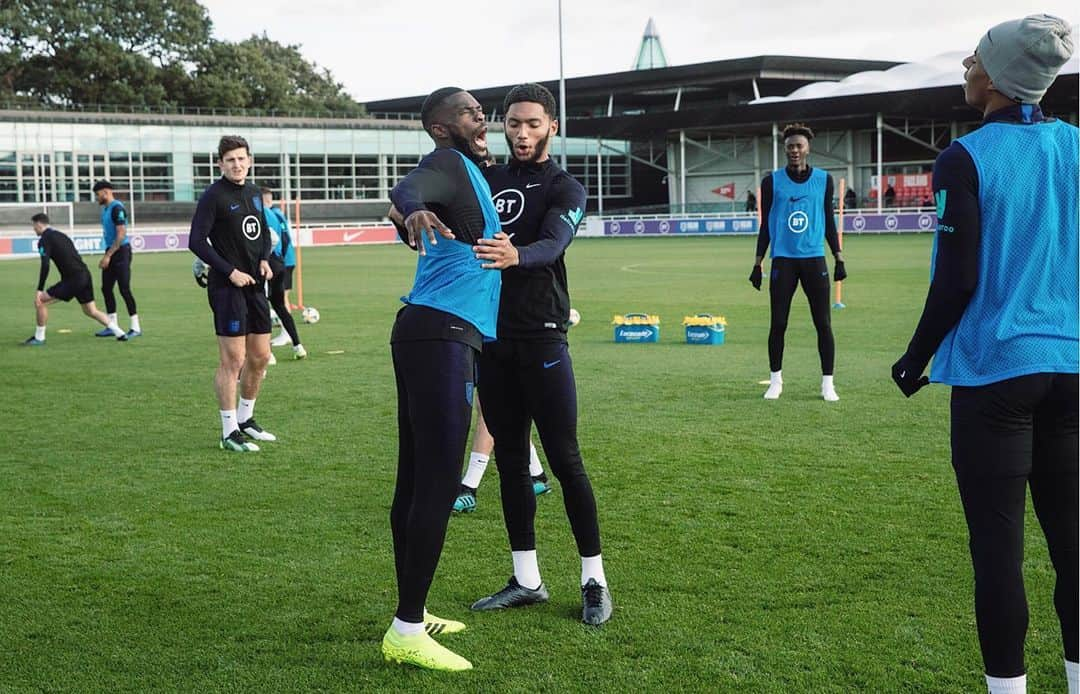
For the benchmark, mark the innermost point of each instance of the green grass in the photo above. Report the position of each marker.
(751, 546)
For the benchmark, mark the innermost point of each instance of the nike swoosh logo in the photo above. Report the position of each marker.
(531, 185)
(349, 237)
(549, 364)
(234, 206)
(457, 327)
(798, 198)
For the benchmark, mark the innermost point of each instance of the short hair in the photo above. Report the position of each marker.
(535, 93)
(432, 103)
(102, 185)
(265, 191)
(798, 129)
(228, 143)
(40, 217)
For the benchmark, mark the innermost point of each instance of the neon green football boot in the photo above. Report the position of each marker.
(437, 625)
(422, 651)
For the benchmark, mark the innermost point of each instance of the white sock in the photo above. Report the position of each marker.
(246, 409)
(827, 390)
(776, 385)
(407, 628)
(1007, 685)
(1072, 674)
(478, 462)
(114, 328)
(526, 570)
(535, 470)
(228, 422)
(593, 567)
(135, 323)
(39, 332)
(111, 317)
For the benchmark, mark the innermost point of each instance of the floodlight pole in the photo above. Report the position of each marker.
(562, 97)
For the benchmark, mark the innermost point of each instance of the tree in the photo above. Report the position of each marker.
(263, 74)
(82, 52)
(162, 53)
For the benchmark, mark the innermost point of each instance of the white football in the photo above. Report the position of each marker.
(575, 317)
(311, 314)
(275, 320)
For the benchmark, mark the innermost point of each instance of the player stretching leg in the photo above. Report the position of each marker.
(452, 308)
(229, 233)
(74, 281)
(482, 446)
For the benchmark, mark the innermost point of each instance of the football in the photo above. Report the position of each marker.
(275, 320)
(311, 314)
(200, 270)
(575, 317)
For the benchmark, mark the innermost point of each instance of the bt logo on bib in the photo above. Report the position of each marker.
(797, 222)
(509, 204)
(251, 227)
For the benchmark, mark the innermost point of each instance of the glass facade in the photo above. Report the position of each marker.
(60, 161)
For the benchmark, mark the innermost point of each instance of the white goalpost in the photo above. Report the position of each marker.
(15, 216)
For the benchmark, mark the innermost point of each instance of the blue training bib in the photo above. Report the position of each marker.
(797, 215)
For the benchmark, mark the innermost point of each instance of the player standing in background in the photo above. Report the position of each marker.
(229, 233)
(451, 310)
(75, 281)
(796, 217)
(116, 263)
(482, 446)
(526, 375)
(280, 253)
(1000, 321)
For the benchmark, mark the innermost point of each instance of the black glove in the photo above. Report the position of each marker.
(755, 277)
(908, 378)
(201, 281)
(839, 272)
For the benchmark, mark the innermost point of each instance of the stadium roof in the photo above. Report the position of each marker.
(939, 71)
(928, 90)
(704, 85)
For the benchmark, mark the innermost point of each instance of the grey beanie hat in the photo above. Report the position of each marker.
(1023, 56)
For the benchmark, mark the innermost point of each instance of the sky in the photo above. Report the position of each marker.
(381, 49)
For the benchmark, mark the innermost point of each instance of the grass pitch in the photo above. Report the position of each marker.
(751, 546)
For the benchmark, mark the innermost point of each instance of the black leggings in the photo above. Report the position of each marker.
(277, 300)
(1006, 436)
(526, 382)
(118, 272)
(784, 275)
(435, 381)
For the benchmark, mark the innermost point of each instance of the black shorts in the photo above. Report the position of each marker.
(80, 287)
(288, 276)
(812, 273)
(120, 262)
(239, 311)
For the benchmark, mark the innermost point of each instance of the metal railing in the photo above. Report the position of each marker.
(174, 110)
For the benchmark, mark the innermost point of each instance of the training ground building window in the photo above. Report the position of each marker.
(315, 176)
(615, 178)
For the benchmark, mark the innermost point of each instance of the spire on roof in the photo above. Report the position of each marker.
(650, 54)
